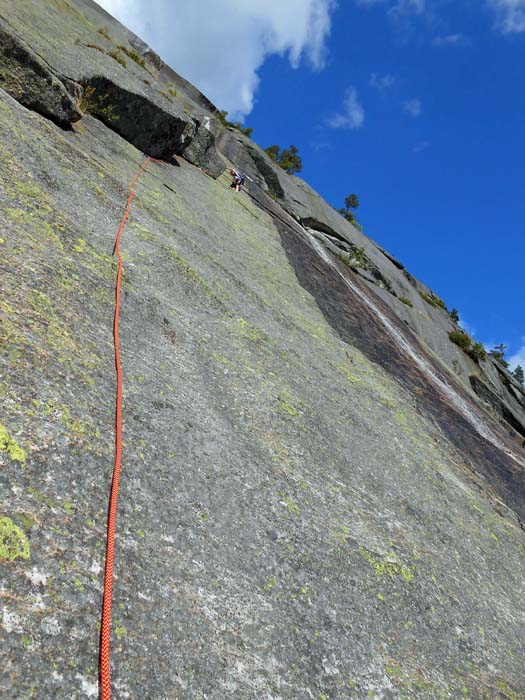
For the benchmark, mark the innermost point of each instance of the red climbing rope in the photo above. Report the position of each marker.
(105, 633)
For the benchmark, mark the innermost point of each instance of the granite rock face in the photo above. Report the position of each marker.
(314, 501)
(25, 76)
(82, 61)
(154, 131)
(200, 150)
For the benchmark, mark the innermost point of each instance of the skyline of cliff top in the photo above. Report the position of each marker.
(414, 105)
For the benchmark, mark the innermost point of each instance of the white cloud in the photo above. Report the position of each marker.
(510, 15)
(450, 40)
(518, 358)
(408, 7)
(422, 146)
(412, 107)
(382, 82)
(219, 45)
(352, 115)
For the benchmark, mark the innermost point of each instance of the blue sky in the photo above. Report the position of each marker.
(415, 105)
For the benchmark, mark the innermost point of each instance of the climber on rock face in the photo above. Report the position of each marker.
(238, 180)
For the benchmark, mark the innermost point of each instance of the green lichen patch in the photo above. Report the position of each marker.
(142, 232)
(270, 583)
(505, 691)
(56, 327)
(36, 220)
(291, 505)
(78, 430)
(42, 498)
(78, 584)
(340, 533)
(13, 541)
(68, 507)
(76, 427)
(414, 680)
(11, 447)
(387, 566)
(101, 264)
(40, 328)
(288, 404)
(34, 206)
(317, 331)
(347, 372)
(248, 331)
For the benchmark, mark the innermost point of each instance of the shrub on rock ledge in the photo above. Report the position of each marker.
(433, 300)
(478, 352)
(222, 117)
(461, 339)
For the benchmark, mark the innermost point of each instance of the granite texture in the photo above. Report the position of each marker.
(313, 503)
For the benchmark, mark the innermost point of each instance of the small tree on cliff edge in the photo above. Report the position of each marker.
(288, 159)
(518, 374)
(274, 152)
(498, 353)
(351, 202)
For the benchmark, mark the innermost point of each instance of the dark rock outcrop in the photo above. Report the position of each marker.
(29, 80)
(267, 171)
(154, 131)
(393, 260)
(201, 151)
(153, 59)
(498, 404)
(346, 250)
(233, 145)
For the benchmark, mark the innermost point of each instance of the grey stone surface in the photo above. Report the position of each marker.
(312, 505)
(201, 152)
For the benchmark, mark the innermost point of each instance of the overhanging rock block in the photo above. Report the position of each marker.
(27, 78)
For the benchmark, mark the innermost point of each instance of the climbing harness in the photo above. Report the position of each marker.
(105, 632)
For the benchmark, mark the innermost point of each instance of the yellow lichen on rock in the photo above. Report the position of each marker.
(13, 541)
(10, 445)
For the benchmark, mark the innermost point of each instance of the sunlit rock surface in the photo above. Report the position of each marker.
(314, 503)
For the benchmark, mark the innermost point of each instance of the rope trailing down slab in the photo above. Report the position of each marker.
(105, 633)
